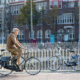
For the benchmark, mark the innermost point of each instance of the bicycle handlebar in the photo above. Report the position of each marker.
(26, 49)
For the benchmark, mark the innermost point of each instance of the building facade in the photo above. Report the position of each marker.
(66, 25)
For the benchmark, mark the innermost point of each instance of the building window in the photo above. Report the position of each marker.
(39, 34)
(71, 34)
(31, 35)
(60, 34)
(71, 4)
(21, 35)
(15, 25)
(66, 18)
(0, 25)
(0, 2)
(60, 4)
(50, 1)
(47, 33)
(15, 10)
(42, 4)
(55, 3)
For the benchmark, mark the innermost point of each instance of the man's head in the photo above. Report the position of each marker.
(16, 31)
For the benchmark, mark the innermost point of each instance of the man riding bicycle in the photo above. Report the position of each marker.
(14, 46)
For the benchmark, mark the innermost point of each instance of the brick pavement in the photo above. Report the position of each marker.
(44, 76)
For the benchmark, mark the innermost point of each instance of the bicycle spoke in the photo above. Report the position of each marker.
(33, 66)
(53, 63)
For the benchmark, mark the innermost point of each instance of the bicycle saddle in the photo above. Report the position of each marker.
(3, 50)
(5, 58)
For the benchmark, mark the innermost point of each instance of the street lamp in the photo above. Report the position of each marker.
(32, 33)
(40, 9)
(79, 24)
(2, 24)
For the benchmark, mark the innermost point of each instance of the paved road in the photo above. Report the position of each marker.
(44, 76)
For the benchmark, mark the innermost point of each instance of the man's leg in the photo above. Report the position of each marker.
(16, 52)
(19, 55)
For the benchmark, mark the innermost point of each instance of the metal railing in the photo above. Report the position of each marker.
(44, 54)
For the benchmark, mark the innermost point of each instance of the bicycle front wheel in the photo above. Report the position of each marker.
(3, 69)
(5, 72)
(33, 66)
(53, 63)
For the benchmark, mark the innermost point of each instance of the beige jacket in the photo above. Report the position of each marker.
(12, 41)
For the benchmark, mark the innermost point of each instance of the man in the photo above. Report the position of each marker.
(14, 46)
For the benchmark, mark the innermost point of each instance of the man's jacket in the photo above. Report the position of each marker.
(12, 41)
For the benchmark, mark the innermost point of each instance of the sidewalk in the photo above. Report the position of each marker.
(44, 76)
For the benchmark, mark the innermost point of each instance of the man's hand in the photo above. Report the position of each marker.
(23, 48)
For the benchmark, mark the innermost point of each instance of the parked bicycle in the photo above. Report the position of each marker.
(57, 61)
(8, 64)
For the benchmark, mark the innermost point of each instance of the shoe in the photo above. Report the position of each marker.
(18, 69)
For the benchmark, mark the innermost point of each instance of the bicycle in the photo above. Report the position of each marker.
(8, 64)
(72, 62)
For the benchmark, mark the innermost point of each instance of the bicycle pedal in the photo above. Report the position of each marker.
(19, 70)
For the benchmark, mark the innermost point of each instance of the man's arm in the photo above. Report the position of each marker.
(13, 38)
(18, 42)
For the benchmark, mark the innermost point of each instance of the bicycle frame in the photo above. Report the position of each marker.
(27, 61)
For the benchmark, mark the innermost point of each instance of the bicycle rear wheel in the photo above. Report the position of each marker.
(53, 63)
(33, 66)
(3, 70)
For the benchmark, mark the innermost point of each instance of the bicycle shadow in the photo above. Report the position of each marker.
(67, 72)
(7, 76)
(14, 75)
